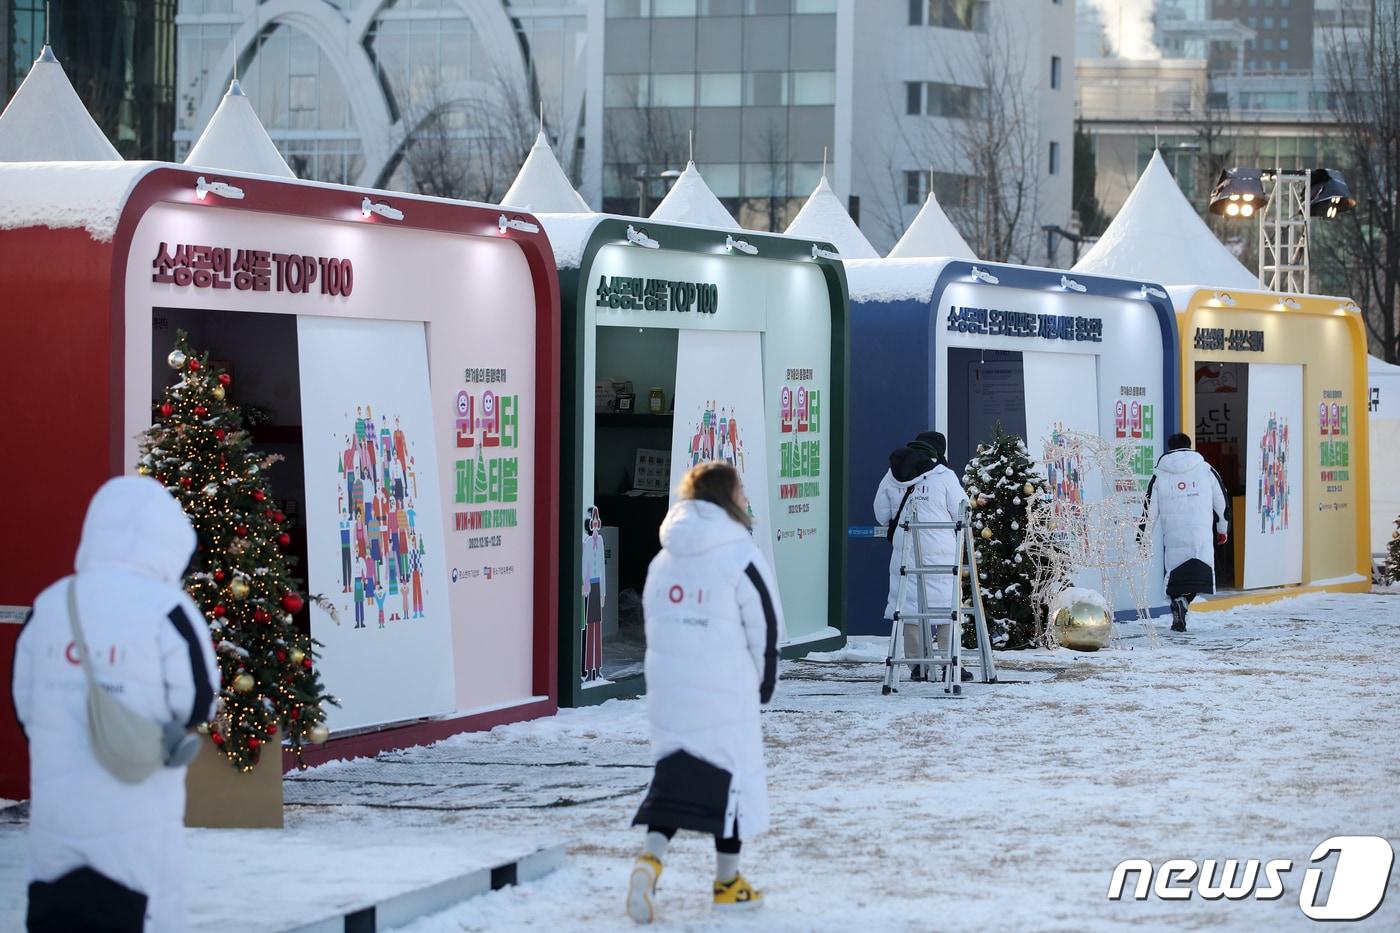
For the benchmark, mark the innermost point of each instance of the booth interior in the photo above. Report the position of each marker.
(634, 420)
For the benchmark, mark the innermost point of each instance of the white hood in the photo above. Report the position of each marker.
(134, 523)
(1180, 461)
(693, 527)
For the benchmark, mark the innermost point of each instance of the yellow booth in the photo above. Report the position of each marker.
(1273, 391)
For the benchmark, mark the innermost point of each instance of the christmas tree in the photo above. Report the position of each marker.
(1392, 561)
(1005, 477)
(241, 575)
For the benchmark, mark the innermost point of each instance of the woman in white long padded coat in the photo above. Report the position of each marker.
(935, 494)
(712, 623)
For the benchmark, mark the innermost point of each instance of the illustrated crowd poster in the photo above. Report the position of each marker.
(595, 595)
(374, 520)
(1272, 523)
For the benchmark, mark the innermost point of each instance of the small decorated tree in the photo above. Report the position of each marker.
(241, 575)
(1003, 473)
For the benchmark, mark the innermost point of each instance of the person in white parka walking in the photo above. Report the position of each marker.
(919, 487)
(1187, 496)
(712, 624)
(104, 853)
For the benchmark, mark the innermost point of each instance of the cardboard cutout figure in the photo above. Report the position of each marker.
(594, 594)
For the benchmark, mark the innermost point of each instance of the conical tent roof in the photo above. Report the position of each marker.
(46, 122)
(932, 235)
(542, 185)
(690, 201)
(1158, 237)
(823, 217)
(236, 141)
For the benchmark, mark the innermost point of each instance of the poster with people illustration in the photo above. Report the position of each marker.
(1274, 441)
(374, 519)
(720, 416)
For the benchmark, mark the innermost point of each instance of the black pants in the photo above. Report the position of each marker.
(85, 900)
(722, 845)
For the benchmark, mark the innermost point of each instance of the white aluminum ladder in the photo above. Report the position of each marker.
(940, 625)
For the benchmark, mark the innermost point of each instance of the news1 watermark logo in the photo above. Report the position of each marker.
(1358, 879)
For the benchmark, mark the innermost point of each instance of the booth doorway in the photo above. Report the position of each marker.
(1222, 420)
(631, 479)
(260, 352)
(985, 388)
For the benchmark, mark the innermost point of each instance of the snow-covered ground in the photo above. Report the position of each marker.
(1260, 733)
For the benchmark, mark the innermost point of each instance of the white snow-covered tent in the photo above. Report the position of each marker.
(1383, 379)
(542, 185)
(932, 236)
(824, 217)
(690, 201)
(236, 141)
(46, 122)
(1158, 237)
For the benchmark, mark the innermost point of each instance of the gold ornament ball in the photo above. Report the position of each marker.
(318, 734)
(1028, 489)
(298, 655)
(218, 392)
(176, 359)
(243, 683)
(238, 588)
(1082, 626)
(987, 533)
(142, 469)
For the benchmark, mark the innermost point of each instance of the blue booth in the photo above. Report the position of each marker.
(958, 346)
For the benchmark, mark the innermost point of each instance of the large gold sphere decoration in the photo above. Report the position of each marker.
(987, 533)
(243, 683)
(1028, 489)
(298, 655)
(238, 588)
(318, 734)
(1082, 626)
(218, 392)
(176, 359)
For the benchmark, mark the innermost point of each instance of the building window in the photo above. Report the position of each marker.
(1054, 158)
(952, 190)
(1054, 72)
(1283, 45)
(934, 99)
(949, 14)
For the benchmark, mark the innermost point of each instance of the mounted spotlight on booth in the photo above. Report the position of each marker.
(515, 223)
(743, 246)
(223, 189)
(1285, 200)
(368, 207)
(982, 275)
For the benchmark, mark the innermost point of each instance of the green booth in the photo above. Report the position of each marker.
(683, 344)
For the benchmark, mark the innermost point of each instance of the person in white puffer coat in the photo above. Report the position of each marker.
(712, 624)
(919, 471)
(1183, 495)
(150, 648)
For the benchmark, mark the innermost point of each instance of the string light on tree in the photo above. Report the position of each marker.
(241, 576)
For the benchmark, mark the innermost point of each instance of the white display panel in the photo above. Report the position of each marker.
(720, 416)
(1274, 447)
(374, 520)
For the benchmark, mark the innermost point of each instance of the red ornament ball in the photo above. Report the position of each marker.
(166, 409)
(254, 743)
(292, 602)
(272, 729)
(281, 655)
(194, 365)
(219, 434)
(218, 739)
(306, 664)
(200, 411)
(260, 615)
(186, 482)
(225, 379)
(219, 576)
(241, 531)
(284, 539)
(219, 611)
(295, 713)
(278, 517)
(259, 495)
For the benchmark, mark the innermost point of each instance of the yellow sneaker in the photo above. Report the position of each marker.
(737, 895)
(641, 888)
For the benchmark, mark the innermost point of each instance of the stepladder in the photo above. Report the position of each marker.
(930, 638)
